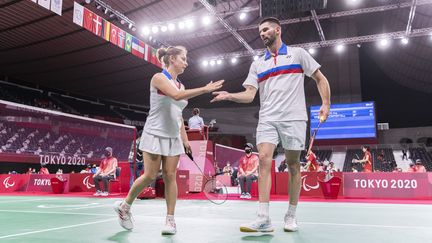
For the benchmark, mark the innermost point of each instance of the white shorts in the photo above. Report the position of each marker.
(161, 145)
(292, 134)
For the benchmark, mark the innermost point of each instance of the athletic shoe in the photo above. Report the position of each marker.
(243, 195)
(125, 217)
(248, 195)
(170, 227)
(98, 193)
(261, 224)
(104, 194)
(290, 223)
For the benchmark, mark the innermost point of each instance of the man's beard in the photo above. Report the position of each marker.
(269, 41)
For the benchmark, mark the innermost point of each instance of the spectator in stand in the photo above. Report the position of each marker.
(419, 167)
(105, 173)
(43, 170)
(94, 169)
(196, 122)
(228, 170)
(404, 154)
(86, 170)
(283, 166)
(330, 167)
(412, 168)
(59, 171)
(29, 171)
(354, 170)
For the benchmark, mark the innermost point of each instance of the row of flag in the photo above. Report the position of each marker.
(53, 5)
(112, 33)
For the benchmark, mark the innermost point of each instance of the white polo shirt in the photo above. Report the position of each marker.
(280, 81)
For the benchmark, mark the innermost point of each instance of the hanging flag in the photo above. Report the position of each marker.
(56, 6)
(135, 46)
(153, 58)
(141, 46)
(88, 19)
(45, 3)
(78, 15)
(97, 25)
(106, 28)
(147, 52)
(114, 32)
(128, 43)
(121, 38)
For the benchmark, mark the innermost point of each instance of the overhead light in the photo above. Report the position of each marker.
(181, 25)
(171, 27)
(145, 30)
(130, 25)
(106, 10)
(98, 7)
(384, 43)
(340, 48)
(88, 1)
(189, 24)
(122, 21)
(112, 15)
(206, 20)
(234, 60)
(212, 63)
(404, 41)
(205, 63)
(219, 62)
(311, 51)
(242, 16)
(164, 28)
(155, 29)
(133, 28)
(255, 57)
(353, 2)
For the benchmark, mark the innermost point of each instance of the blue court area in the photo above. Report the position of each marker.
(61, 219)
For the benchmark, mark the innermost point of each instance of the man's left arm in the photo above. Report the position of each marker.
(324, 90)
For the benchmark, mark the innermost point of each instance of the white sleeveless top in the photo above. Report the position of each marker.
(165, 115)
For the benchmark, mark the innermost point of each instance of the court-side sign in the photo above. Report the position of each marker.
(388, 185)
(12, 183)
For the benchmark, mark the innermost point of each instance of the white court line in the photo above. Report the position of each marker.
(58, 228)
(25, 200)
(41, 212)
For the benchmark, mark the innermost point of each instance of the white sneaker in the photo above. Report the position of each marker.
(104, 194)
(290, 223)
(243, 195)
(261, 224)
(248, 196)
(170, 227)
(125, 217)
(97, 194)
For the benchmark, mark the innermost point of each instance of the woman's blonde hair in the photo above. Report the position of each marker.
(163, 54)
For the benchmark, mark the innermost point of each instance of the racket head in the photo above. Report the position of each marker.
(215, 191)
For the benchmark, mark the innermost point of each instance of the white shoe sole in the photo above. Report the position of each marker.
(251, 230)
(290, 229)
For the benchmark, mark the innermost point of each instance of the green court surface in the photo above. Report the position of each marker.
(60, 219)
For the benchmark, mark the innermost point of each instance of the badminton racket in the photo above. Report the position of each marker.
(312, 138)
(214, 190)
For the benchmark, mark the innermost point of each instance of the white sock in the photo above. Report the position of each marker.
(291, 210)
(264, 209)
(169, 216)
(126, 206)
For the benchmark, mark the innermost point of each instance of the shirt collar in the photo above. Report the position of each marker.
(168, 75)
(283, 50)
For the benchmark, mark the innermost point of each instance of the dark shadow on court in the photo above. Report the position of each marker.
(258, 238)
(121, 237)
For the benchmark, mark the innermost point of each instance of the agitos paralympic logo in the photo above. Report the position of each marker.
(87, 183)
(306, 186)
(7, 184)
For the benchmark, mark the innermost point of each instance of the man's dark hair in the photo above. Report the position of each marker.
(270, 19)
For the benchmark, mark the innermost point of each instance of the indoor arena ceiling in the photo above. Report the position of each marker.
(40, 47)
